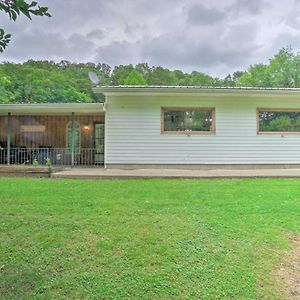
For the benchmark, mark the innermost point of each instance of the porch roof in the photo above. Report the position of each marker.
(52, 108)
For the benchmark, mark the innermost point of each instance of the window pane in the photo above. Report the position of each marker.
(276, 121)
(189, 120)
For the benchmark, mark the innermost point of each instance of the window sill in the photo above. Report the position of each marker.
(204, 133)
(282, 134)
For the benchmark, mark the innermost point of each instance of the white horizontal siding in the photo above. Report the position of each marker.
(133, 132)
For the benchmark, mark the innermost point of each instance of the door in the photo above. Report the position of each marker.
(99, 143)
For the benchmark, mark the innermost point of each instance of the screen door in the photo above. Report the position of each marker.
(99, 143)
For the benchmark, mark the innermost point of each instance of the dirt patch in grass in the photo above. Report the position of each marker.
(289, 272)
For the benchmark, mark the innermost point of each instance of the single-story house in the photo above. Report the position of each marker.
(158, 127)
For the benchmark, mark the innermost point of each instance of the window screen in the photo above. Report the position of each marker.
(188, 120)
(279, 121)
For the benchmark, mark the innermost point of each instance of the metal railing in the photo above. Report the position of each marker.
(56, 156)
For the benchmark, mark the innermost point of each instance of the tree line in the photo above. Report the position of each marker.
(48, 81)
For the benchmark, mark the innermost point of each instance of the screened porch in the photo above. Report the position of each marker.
(59, 138)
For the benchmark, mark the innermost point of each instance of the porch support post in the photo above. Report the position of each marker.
(8, 136)
(73, 140)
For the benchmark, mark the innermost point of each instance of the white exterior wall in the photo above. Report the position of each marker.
(133, 131)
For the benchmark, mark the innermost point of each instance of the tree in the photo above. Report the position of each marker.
(14, 8)
(283, 69)
(179, 77)
(104, 68)
(44, 81)
(120, 73)
(48, 81)
(144, 69)
(256, 76)
(135, 78)
(198, 79)
(6, 95)
(161, 76)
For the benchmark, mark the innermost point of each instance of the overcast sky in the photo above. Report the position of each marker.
(216, 37)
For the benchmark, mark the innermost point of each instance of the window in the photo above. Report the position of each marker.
(77, 137)
(33, 128)
(278, 121)
(188, 120)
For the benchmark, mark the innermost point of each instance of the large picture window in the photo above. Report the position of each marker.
(188, 120)
(278, 121)
(77, 137)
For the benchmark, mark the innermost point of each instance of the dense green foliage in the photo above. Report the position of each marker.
(283, 70)
(47, 81)
(14, 8)
(42, 81)
(145, 239)
(135, 78)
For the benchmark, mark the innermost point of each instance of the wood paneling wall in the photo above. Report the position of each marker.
(55, 133)
(3, 128)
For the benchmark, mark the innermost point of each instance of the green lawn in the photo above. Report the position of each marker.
(145, 239)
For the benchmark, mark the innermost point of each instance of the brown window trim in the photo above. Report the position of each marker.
(213, 123)
(281, 133)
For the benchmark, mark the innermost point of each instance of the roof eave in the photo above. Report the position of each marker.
(149, 90)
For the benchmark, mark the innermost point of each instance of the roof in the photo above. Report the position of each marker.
(127, 89)
(51, 108)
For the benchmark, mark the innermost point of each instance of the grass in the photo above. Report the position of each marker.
(145, 239)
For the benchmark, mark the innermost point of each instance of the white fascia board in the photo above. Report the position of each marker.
(52, 108)
(185, 90)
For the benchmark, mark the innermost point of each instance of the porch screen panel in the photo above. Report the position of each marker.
(77, 137)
